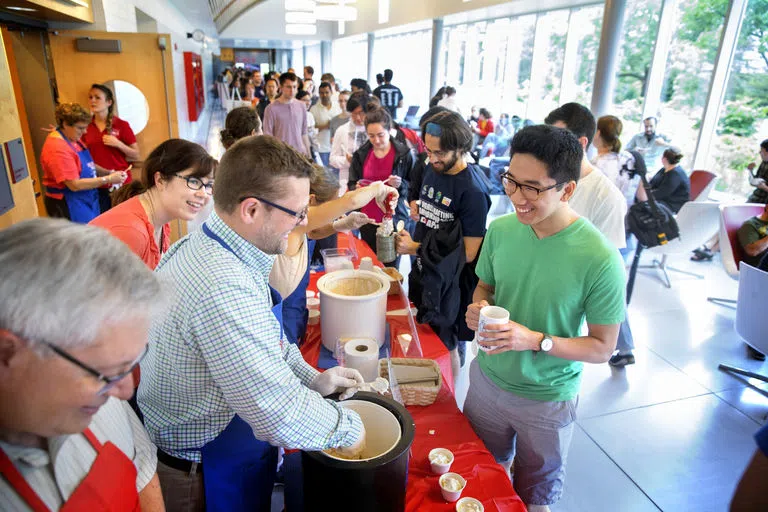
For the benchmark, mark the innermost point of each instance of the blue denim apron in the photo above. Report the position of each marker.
(84, 204)
(295, 314)
(238, 469)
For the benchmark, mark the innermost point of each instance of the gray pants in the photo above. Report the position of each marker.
(537, 434)
(182, 492)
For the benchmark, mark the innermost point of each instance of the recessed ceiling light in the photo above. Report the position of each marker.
(22, 9)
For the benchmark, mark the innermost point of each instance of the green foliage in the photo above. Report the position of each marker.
(739, 120)
(640, 29)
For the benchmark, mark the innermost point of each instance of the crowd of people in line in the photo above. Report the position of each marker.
(222, 383)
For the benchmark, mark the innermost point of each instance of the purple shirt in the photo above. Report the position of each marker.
(287, 122)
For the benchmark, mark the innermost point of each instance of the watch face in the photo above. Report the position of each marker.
(546, 344)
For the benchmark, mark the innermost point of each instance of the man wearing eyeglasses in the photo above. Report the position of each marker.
(550, 269)
(224, 387)
(74, 317)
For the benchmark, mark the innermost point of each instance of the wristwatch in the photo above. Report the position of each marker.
(546, 343)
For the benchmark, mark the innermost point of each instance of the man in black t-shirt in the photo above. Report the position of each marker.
(390, 96)
(449, 192)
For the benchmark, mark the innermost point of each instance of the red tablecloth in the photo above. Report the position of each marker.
(438, 425)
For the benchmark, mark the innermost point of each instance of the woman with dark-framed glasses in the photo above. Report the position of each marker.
(177, 183)
(71, 337)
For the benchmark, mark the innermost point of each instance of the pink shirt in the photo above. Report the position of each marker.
(377, 169)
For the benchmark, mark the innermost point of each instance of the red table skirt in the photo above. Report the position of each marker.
(438, 425)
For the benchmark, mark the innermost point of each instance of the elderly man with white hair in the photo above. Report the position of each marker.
(75, 310)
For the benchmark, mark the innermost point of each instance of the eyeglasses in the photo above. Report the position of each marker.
(529, 192)
(109, 382)
(299, 216)
(196, 183)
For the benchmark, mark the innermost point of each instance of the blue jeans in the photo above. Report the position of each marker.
(325, 157)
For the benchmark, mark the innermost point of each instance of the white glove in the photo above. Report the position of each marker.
(351, 222)
(382, 191)
(337, 380)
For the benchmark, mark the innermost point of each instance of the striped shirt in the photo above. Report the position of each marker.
(218, 353)
(55, 473)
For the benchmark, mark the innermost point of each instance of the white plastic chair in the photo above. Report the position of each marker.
(750, 314)
(697, 222)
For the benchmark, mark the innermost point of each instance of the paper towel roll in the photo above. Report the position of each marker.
(362, 354)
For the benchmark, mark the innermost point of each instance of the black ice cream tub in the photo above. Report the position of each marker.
(377, 481)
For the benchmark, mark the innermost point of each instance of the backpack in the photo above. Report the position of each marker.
(653, 223)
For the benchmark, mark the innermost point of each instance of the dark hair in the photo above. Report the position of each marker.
(301, 94)
(285, 77)
(610, 129)
(257, 166)
(673, 155)
(429, 114)
(380, 116)
(379, 78)
(325, 84)
(485, 113)
(327, 77)
(324, 184)
(455, 134)
(651, 118)
(169, 158)
(71, 113)
(764, 144)
(577, 118)
(310, 70)
(450, 91)
(388, 75)
(271, 79)
(111, 109)
(358, 99)
(557, 148)
(360, 84)
(241, 122)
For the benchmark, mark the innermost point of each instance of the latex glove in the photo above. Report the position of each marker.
(351, 222)
(337, 380)
(394, 181)
(354, 451)
(382, 191)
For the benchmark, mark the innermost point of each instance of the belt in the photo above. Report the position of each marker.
(184, 465)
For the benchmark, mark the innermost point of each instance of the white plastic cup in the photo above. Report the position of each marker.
(448, 494)
(489, 315)
(467, 504)
(313, 303)
(437, 467)
(314, 317)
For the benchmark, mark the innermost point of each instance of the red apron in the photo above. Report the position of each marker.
(110, 485)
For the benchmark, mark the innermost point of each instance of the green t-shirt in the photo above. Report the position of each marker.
(549, 286)
(750, 232)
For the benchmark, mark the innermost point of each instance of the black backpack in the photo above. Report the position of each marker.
(653, 223)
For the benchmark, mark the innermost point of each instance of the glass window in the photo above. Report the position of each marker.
(742, 121)
(580, 58)
(350, 59)
(547, 65)
(411, 74)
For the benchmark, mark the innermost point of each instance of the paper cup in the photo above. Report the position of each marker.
(489, 315)
(469, 505)
(314, 317)
(450, 493)
(313, 303)
(437, 466)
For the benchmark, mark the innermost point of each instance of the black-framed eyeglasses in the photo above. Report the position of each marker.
(109, 381)
(529, 192)
(299, 216)
(196, 183)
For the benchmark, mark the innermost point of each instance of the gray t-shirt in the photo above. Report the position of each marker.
(287, 122)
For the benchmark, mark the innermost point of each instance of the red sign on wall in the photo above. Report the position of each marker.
(193, 72)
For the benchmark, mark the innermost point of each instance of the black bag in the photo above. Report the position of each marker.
(653, 223)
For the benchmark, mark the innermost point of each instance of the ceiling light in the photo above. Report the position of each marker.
(20, 9)
(300, 29)
(337, 2)
(342, 28)
(383, 11)
(335, 13)
(299, 5)
(300, 17)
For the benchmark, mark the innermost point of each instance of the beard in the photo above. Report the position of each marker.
(445, 166)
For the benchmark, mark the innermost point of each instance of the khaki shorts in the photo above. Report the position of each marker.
(536, 434)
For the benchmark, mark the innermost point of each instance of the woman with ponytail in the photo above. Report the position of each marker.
(177, 183)
(614, 162)
(110, 139)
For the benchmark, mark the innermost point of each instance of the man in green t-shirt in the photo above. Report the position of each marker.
(753, 237)
(551, 269)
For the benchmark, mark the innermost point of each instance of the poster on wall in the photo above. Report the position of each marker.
(17, 160)
(6, 197)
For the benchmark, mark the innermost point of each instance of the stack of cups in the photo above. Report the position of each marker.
(313, 305)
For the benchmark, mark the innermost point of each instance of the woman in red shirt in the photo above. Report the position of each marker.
(69, 174)
(381, 158)
(110, 139)
(177, 183)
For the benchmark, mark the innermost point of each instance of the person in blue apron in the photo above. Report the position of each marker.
(69, 172)
(222, 387)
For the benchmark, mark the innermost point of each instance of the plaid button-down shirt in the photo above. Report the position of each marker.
(218, 353)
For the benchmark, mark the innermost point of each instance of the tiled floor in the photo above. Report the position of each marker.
(671, 432)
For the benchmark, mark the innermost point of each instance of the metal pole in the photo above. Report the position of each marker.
(371, 75)
(437, 50)
(607, 56)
